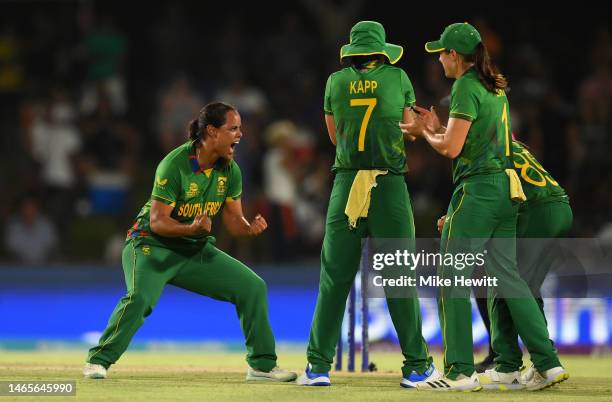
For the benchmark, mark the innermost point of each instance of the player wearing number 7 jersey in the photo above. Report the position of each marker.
(483, 209)
(363, 105)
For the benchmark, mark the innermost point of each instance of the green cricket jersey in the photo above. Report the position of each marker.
(181, 183)
(538, 184)
(487, 146)
(367, 108)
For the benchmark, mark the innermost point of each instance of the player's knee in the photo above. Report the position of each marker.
(141, 302)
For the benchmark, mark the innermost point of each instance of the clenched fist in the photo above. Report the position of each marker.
(258, 225)
(201, 224)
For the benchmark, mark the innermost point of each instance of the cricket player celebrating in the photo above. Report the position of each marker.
(170, 243)
(363, 105)
(483, 207)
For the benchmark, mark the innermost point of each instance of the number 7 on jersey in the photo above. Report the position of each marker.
(370, 103)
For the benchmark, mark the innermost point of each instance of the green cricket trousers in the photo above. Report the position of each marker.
(539, 225)
(389, 216)
(480, 212)
(207, 271)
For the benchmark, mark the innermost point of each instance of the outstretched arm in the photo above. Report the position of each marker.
(236, 223)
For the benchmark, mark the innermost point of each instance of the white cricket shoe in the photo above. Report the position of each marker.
(492, 379)
(314, 379)
(527, 374)
(548, 378)
(462, 383)
(276, 374)
(95, 371)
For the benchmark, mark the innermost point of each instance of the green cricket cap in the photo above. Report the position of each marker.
(462, 37)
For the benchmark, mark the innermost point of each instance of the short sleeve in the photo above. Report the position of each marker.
(235, 184)
(167, 185)
(464, 100)
(327, 99)
(407, 89)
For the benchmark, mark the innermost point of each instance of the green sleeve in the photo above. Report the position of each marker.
(407, 89)
(234, 190)
(464, 100)
(327, 100)
(167, 184)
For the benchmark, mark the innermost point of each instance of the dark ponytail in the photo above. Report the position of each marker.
(488, 73)
(214, 114)
(194, 130)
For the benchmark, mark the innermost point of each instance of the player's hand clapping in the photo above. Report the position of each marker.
(429, 118)
(424, 120)
(413, 129)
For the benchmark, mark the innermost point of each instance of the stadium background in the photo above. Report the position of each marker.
(93, 94)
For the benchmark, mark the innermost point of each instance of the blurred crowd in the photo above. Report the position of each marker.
(91, 103)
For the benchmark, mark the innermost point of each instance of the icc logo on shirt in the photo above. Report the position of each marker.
(221, 182)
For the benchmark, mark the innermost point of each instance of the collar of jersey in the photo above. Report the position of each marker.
(367, 70)
(195, 165)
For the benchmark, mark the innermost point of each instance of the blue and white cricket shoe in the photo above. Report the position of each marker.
(315, 379)
(431, 374)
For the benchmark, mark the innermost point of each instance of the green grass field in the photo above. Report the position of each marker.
(168, 376)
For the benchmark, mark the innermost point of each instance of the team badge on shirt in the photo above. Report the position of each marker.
(221, 185)
(193, 190)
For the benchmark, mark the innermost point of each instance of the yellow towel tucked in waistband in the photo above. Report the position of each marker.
(516, 190)
(358, 202)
